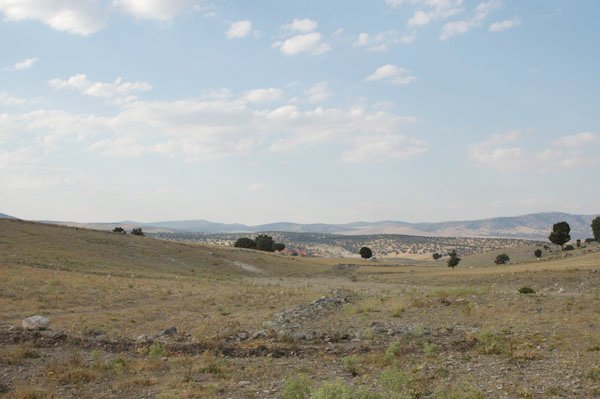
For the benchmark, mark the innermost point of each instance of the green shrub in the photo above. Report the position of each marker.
(351, 365)
(297, 387)
(526, 290)
(332, 390)
(393, 379)
(156, 350)
(461, 390)
(392, 352)
(538, 253)
(493, 344)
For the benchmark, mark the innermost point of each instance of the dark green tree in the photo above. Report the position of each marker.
(264, 243)
(119, 230)
(365, 252)
(245, 242)
(560, 234)
(454, 259)
(436, 256)
(502, 259)
(279, 246)
(596, 228)
(538, 253)
(137, 231)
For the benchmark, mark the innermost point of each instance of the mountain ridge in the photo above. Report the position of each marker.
(528, 226)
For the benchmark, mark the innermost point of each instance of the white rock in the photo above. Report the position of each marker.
(36, 323)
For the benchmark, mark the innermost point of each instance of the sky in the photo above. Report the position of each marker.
(303, 111)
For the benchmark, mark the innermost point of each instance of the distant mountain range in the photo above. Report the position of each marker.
(532, 226)
(5, 216)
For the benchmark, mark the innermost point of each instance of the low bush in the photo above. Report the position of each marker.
(526, 290)
(502, 259)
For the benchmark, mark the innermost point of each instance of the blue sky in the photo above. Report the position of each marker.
(312, 111)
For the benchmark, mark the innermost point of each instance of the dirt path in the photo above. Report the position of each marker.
(246, 267)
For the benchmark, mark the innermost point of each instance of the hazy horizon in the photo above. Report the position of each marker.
(309, 112)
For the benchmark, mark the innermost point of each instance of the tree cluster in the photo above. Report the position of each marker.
(262, 242)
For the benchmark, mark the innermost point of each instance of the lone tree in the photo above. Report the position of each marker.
(502, 259)
(538, 253)
(245, 242)
(365, 252)
(137, 231)
(119, 229)
(560, 234)
(596, 228)
(454, 259)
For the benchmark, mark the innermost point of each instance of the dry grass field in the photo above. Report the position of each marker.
(260, 325)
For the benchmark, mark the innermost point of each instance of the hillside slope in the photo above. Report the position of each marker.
(91, 251)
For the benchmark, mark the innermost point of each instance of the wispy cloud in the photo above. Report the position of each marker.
(25, 64)
(393, 74)
(384, 40)
(118, 88)
(506, 24)
(508, 152)
(480, 13)
(303, 39)
(239, 30)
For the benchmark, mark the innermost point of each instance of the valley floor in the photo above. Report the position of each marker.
(294, 329)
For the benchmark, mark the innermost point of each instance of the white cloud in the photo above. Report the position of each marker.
(25, 64)
(508, 152)
(301, 25)
(381, 148)
(393, 74)
(420, 18)
(578, 140)
(159, 10)
(81, 17)
(263, 95)
(463, 26)
(257, 187)
(118, 88)
(317, 93)
(239, 30)
(7, 99)
(500, 26)
(383, 40)
(199, 129)
(310, 43)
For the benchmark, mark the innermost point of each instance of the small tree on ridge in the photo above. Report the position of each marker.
(454, 259)
(365, 252)
(560, 234)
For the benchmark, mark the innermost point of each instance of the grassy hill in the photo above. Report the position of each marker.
(254, 325)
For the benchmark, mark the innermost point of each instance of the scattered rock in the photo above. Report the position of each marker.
(259, 334)
(244, 383)
(36, 323)
(144, 338)
(169, 332)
